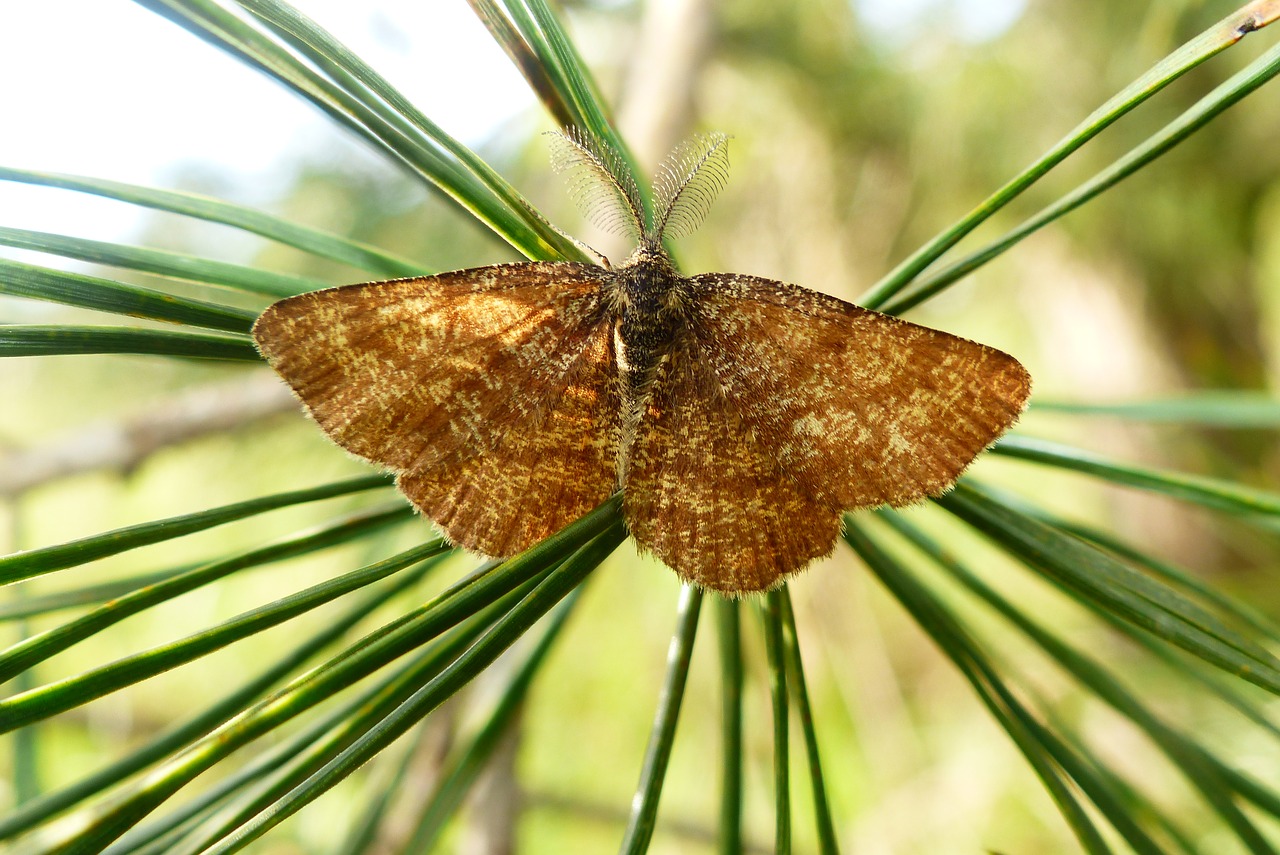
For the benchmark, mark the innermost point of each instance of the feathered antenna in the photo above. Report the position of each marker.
(689, 179)
(600, 182)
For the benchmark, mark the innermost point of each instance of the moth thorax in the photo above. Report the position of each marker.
(651, 300)
(650, 284)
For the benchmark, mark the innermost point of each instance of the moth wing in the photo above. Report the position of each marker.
(464, 375)
(708, 497)
(861, 408)
(410, 372)
(543, 474)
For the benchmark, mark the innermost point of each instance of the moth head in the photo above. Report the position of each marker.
(604, 187)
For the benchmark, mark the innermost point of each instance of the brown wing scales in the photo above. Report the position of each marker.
(861, 408)
(411, 372)
(542, 475)
(708, 497)
(491, 392)
(496, 396)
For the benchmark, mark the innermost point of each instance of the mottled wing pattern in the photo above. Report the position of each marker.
(502, 369)
(860, 408)
(708, 497)
(542, 475)
(410, 372)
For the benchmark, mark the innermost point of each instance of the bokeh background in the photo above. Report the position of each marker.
(861, 128)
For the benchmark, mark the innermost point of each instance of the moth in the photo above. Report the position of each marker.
(740, 416)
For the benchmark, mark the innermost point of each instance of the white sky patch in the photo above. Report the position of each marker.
(114, 91)
(973, 21)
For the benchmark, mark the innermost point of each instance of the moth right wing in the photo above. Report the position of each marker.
(861, 408)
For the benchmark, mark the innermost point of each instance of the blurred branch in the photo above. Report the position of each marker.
(123, 444)
(495, 802)
(608, 812)
(657, 104)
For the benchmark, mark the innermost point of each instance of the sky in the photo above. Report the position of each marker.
(970, 20)
(112, 90)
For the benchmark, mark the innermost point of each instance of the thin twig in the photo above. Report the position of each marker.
(121, 445)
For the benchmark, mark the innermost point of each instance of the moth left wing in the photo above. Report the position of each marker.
(411, 372)
(862, 409)
(459, 381)
(542, 474)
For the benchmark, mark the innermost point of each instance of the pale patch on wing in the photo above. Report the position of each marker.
(861, 408)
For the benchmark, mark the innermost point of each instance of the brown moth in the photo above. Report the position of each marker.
(740, 416)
